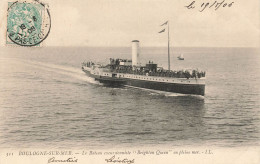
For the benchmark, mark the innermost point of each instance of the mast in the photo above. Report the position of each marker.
(169, 65)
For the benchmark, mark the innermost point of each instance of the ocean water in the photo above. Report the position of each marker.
(47, 101)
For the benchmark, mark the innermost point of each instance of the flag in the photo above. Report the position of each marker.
(164, 23)
(162, 31)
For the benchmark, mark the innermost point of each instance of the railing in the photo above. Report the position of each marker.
(160, 73)
(173, 74)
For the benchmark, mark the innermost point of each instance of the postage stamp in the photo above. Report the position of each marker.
(28, 23)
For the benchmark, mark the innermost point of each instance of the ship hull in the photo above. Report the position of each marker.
(196, 89)
(183, 88)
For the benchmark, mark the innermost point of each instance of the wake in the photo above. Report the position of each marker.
(73, 72)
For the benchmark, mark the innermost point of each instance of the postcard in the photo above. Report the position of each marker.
(129, 81)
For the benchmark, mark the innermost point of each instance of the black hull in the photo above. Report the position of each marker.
(169, 87)
(196, 89)
(114, 82)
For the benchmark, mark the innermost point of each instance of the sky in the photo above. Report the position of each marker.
(116, 23)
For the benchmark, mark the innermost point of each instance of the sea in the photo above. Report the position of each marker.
(47, 101)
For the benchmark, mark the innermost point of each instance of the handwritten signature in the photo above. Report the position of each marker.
(72, 160)
(215, 5)
(114, 160)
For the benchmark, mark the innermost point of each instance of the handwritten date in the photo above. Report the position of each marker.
(214, 5)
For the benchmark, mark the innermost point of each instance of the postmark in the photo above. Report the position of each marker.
(28, 23)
